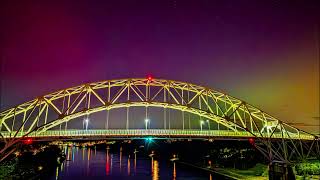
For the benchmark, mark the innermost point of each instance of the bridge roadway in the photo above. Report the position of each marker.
(161, 133)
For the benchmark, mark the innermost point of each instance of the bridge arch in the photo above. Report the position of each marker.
(45, 112)
(64, 105)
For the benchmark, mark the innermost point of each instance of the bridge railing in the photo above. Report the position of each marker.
(154, 132)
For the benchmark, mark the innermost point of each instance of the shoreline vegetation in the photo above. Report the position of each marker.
(308, 170)
(260, 171)
(32, 163)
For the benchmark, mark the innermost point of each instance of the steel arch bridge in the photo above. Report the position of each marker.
(234, 118)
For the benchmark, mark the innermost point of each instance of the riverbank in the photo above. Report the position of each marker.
(309, 177)
(259, 172)
(207, 169)
(33, 163)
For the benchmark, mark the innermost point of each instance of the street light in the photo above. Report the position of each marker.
(146, 123)
(87, 122)
(201, 123)
(208, 123)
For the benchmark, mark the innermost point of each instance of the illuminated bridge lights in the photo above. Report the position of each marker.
(228, 116)
(28, 141)
(251, 141)
(149, 139)
(215, 107)
(151, 133)
(149, 77)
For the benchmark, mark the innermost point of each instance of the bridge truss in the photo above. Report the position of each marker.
(234, 118)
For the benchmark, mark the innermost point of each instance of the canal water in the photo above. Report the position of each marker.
(92, 163)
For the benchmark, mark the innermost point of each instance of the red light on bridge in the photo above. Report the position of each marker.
(150, 78)
(251, 141)
(28, 141)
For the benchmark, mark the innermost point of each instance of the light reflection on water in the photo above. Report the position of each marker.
(90, 163)
(155, 170)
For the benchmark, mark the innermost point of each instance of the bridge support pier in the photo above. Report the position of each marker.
(280, 171)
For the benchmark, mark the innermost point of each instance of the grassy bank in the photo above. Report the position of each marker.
(260, 171)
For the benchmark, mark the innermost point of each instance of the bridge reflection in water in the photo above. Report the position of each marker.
(84, 163)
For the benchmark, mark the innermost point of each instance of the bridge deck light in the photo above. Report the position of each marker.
(208, 123)
(86, 120)
(146, 123)
(251, 141)
(201, 123)
(28, 141)
(149, 140)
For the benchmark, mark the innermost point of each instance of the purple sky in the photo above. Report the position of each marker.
(264, 52)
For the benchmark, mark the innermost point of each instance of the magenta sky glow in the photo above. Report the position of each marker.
(264, 52)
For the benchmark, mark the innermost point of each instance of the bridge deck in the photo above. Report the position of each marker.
(153, 132)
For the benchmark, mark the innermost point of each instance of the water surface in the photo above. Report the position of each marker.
(92, 163)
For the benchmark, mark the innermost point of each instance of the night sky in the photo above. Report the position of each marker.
(263, 52)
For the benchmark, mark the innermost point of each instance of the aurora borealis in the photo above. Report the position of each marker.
(263, 52)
